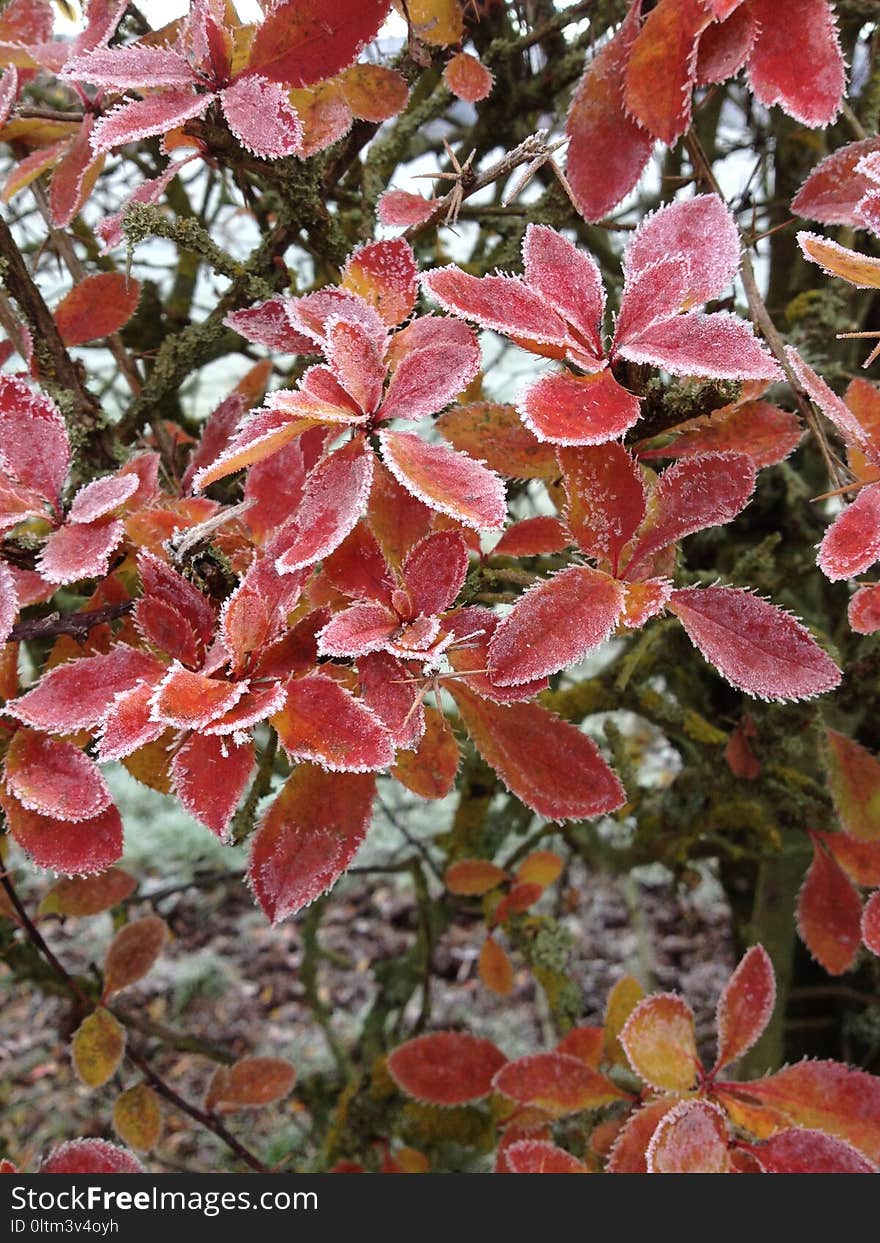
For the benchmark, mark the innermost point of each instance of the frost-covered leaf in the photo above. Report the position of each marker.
(88, 895)
(660, 1042)
(533, 537)
(745, 1005)
(262, 118)
(268, 323)
(434, 572)
(322, 722)
(690, 1139)
(852, 542)
(829, 913)
(556, 1083)
(385, 275)
(776, 76)
(333, 500)
(467, 78)
(503, 303)
(76, 695)
(758, 429)
(854, 780)
(430, 769)
(78, 551)
(871, 923)
(210, 774)
(54, 778)
(446, 480)
(607, 150)
(188, 700)
(756, 646)
(702, 231)
(547, 763)
(445, 1068)
(308, 837)
(566, 409)
(137, 1117)
(495, 432)
(97, 1048)
(250, 1083)
(536, 1156)
(720, 345)
(133, 67)
(90, 1156)
(860, 270)
(555, 624)
(157, 114)
(693, 494)
(34, 448)
(834, 188)
(725, 47)
(661, 67)
(74, 176)
(398, 209)
(864, 609)
(133, 952)
(802, 1150)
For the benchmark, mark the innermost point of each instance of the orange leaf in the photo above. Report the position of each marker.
(430, 770)
(660, 1041)
(473, 877)
(97, 307)
(445, 1068)
(745, 1005)
(88, 895)
(854, 777)
(541, 867)
(495, 968)
(251, 1083)
(556, 1083)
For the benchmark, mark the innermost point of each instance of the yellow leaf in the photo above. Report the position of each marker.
(97, 1048)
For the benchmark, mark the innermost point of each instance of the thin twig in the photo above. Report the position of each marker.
(78, 625)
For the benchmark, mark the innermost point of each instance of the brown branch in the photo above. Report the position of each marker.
(76, 624)
(57, 369)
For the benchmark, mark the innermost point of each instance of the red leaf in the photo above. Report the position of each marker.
(210, 775)
(775, 75)
(133, 952)
(34, 448)
(446, 480)
(829, 914)
(547, 763)
(725, 47)
(503, 303)
(660, 1042)
(333, 500)
(262, 118)
(864, 609)
(399, 209)
(102, 497)
(302, 41)
(427, 379)
(467, 78)
(536, 1156)
(804, 1151)
(389, 691)
(690, 1139)
(250, 1083)
(745, 1005)
(88, 895)
(268, 323)
(695, 493)
(362, 628)
(445, 1068)
(719, 345)
(79, 550)
(556, 1083)
(555, 624)
(133, 67)
(607, 150)
(274, 489)
(162, 583)
(72, 848)
(385, 275)
(321, 721)
(130, 122)
(54, 778)
(702, 232)
(662, 65)
(852, 542)
(757, 647)
(308, 837)
(628, 1153)
(585, 1043)
(606, 499)
(834, 188)
(871, 923)
(533, 537)
(77, 695)
(90, 1156)
(847, 421)
(826, 1096)
(565, 409)
(570, 282)
(434, 572)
